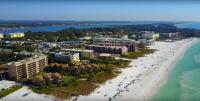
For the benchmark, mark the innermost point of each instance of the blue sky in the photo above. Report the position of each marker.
(89, 10)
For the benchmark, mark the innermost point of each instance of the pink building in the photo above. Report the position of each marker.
(108, 49)
(131, 46)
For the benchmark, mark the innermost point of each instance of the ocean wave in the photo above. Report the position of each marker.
(197, 58)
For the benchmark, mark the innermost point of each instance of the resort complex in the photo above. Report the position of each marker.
(99, 50)
(73, 63)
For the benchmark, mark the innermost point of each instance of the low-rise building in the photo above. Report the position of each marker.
(110, 39)
(146, 42)
(150, 35)
(131, 45)
(67, 57)
(108, 49)
(83, 54)
(47, 45)
(27, 68)
(123, 41)
(170, 35)
(86, 38)
(1, 35)
(15, 35)
(72, 44)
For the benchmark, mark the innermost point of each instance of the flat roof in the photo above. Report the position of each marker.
(78, 50)
(31, 59)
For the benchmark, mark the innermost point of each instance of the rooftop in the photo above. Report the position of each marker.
(77, 50)
(66, 53)
(34, 58)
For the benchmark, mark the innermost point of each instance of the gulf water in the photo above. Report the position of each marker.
(183, 83)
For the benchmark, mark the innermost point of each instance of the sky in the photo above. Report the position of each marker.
(104, 10)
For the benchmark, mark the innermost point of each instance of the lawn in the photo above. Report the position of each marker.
(139, 53)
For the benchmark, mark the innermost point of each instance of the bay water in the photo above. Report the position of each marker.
(191, 25)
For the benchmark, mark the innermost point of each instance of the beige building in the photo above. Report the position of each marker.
(1, 35)
(27, 68)
(67, 57)
(150, 35)
(15, 35)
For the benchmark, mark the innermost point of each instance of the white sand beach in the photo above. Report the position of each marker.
(139, 81)
(144, 76)
(5, 84)
(26, 94)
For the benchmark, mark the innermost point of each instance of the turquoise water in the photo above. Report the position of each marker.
(184, 80)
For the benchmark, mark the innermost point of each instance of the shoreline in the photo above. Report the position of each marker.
(164, 72)
(152, 81)
(141, 80)
(144, 75)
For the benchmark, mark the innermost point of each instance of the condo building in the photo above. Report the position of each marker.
(102, 39)
(83, 54)
(171, 35)
(15, 35)
(1, 35)
(147, 42)
(108, 49)
(27, 68)
(131, 45)
(123, 42)
(150, 35)
(67, 57)
(72, 44)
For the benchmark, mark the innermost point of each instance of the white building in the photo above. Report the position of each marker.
(171, 35)
(48, 44)
(109, 39)
(83, 54)
(86, 38)
(150, 35)
(67, 57)
(1, 35)
(15, 35)
(146, 42)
